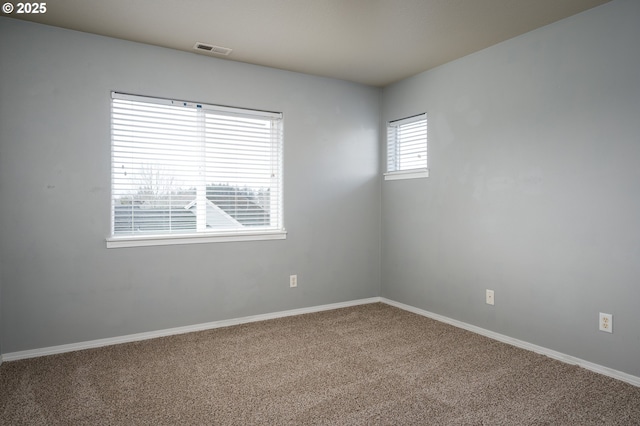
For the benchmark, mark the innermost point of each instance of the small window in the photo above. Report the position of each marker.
(407, 148)
(184, 172)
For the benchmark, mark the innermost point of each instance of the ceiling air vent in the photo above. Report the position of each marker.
(218, 50)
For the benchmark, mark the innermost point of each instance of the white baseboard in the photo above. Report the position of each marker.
(634, 380)
(51, 350)
(13, 356)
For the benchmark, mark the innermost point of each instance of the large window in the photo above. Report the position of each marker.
(185, 172)
(407, 148)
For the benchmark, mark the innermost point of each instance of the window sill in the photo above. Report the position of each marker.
(410, 174)
(165, 240)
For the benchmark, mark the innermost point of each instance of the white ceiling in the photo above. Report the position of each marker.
(375, 42)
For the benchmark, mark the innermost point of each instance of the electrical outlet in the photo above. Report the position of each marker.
(490, 300)
(606, 322)
(293, 281)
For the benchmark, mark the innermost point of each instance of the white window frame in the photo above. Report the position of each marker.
(274, 231)
(394, 169)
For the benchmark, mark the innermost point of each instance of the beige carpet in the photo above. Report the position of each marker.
(366, 365)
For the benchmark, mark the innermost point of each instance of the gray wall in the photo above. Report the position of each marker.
(534, 149)
(61, 285)
(1, 321)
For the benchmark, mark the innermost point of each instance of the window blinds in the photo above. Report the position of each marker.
(187, 168)
(407, 144)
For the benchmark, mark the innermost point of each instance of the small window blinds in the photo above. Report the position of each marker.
(407, 145)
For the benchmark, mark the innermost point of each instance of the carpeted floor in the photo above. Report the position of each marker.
(365, 365)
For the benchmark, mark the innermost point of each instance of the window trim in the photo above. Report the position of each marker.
(416, 173)
(407, 174)
(165, 240)
(279, 233)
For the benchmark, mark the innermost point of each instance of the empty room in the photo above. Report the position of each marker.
(320, 212)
